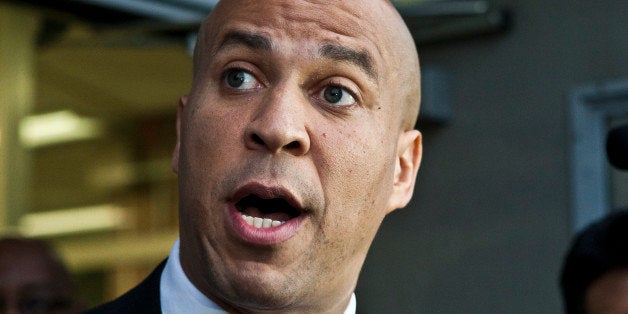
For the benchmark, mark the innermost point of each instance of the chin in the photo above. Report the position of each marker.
(258, 289)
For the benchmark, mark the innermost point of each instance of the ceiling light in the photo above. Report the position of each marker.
(58, 127)
(74, 220)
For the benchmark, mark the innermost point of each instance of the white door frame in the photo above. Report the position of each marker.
(592, 107)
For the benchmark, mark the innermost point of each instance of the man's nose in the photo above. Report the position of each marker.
(279, 123)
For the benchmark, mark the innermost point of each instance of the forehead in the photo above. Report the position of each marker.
(336, 16)
(301, 22)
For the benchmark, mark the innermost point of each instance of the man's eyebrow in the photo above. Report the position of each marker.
(253, 41)
(361, 58)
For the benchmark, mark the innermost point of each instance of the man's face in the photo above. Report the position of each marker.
(608, 294)
(288, 153)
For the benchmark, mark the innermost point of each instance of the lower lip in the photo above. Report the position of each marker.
(262, 236)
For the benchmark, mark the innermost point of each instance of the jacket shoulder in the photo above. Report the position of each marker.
(144, 298)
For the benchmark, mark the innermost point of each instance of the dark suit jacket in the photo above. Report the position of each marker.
(142, 299)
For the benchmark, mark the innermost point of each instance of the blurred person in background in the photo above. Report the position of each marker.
(594, 278)
(33, 279)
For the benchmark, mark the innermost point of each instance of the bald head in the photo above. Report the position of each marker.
(383, 26)
(406, 59)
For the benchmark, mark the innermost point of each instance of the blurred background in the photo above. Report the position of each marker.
(517, 99)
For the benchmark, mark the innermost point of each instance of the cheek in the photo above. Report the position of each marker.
(357, 175)
(212, 136)
(209, 147)
(357, 182)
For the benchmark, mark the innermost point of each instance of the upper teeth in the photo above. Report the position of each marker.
(258, 222)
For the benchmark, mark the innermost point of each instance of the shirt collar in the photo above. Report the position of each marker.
(179, 295)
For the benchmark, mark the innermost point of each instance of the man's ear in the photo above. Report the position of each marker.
(177, 147)
(409, 153)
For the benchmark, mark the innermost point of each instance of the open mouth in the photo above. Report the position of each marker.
(266, 213)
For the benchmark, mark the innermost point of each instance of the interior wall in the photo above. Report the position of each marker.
(490, 220)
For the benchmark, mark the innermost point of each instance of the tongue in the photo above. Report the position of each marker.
(255, 212)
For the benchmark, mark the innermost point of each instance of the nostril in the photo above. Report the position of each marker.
(257, 139)
(294, 145)
(274, 143)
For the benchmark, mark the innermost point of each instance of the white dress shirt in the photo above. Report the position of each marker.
(179, 295)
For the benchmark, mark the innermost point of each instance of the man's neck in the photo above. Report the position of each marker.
(177, 289)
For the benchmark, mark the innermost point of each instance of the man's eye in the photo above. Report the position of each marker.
(241, 79)
(337, 96)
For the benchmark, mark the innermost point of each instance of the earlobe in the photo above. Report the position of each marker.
(174, 164)
(409, 153)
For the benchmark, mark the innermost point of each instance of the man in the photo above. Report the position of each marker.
(595, 275)
(295, 141)
(33, 279)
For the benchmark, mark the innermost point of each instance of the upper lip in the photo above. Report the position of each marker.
(268, 192)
